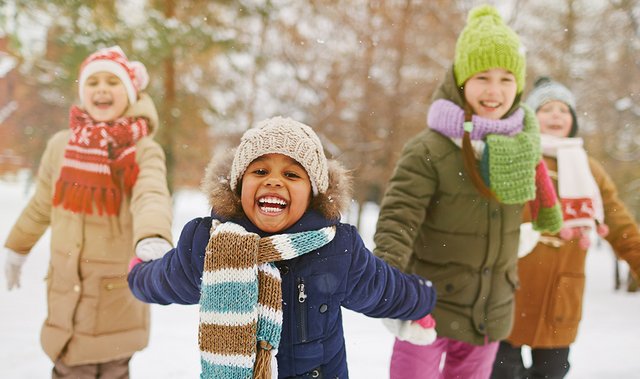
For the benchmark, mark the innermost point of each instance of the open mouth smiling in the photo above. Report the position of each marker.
(272, 204)
(102, 103)
(490, 104)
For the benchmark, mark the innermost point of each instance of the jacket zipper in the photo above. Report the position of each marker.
(302, 311)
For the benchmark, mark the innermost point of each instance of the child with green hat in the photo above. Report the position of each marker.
(452, 210)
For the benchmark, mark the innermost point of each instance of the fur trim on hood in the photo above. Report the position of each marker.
(226, 203)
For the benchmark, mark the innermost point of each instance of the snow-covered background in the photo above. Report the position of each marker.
(608, 344)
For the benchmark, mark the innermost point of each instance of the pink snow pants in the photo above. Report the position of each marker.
(462, 360)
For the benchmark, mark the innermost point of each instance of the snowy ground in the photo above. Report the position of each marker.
(607, 347)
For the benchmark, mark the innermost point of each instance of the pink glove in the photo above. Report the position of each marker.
(420, 332)
(427, 322)
(133, 262)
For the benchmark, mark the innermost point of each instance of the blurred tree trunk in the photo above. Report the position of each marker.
(169, 122)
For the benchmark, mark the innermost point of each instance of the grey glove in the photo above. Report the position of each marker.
(152, 248)
(13, 267)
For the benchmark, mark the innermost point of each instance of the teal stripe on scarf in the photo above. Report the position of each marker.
(210, 300)
(269, 331)
(210, 370)
(307, 240)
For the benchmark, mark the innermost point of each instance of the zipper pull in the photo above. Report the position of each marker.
(301, 295)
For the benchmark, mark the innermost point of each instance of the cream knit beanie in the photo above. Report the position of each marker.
(279, 135)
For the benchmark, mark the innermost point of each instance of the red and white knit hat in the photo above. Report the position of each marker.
(133, 74)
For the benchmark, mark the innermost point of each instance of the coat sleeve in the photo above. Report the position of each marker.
(176, 277)
(150, 199)
(36, 216)
(623, 230)
(377, 289)
(404, 205)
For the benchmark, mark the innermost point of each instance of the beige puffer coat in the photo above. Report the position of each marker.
(92, 317)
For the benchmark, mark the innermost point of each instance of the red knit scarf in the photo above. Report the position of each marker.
(99, 162)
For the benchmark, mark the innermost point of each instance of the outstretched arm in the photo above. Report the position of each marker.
(176, 277)
(379, 290)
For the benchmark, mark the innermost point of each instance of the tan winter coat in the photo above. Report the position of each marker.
(552, 279)
(92, 316)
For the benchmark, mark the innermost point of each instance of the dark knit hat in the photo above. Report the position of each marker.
(545, 90)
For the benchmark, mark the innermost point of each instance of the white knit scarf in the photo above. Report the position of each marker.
(578, 191)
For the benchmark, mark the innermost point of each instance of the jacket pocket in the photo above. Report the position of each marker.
(565, 305)
(118, 310)
(459, 288)
(302, 327)
(314, 306)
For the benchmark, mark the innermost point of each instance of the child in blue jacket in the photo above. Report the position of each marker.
(272, 266)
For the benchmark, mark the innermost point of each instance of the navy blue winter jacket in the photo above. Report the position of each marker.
(314, 287)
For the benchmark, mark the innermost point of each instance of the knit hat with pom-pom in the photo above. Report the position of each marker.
(279, 135)
(132, 74)
(486, 43)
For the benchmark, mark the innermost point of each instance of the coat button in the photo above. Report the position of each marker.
(481, 326)
(448, 287)
(315, 373)
(284, 270)
(323, 308)
(76, 288)
(486, 271)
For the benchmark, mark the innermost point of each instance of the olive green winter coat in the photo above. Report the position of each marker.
(92, 317)
(434, 223)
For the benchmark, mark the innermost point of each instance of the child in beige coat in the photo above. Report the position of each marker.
(102, 189)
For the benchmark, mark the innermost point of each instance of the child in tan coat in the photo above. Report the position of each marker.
(102, 189)
(552, 275)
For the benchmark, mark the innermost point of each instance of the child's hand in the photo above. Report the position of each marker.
(152, 248)
(133, 262)
(427, 322)
(528, 239)
(581, 233)
(13, 267)
(419, 332)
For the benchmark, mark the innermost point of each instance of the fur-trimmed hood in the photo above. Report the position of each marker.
(226, 203)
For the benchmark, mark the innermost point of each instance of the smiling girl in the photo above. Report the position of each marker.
(102, 188)
(273, 265)
(452, 210)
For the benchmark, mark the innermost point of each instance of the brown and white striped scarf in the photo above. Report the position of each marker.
(241, 299)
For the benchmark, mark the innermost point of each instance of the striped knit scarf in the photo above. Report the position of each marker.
(99, 160)
(241, 299)
(510, 158)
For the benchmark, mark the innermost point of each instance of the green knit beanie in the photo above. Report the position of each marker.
(486, 43)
